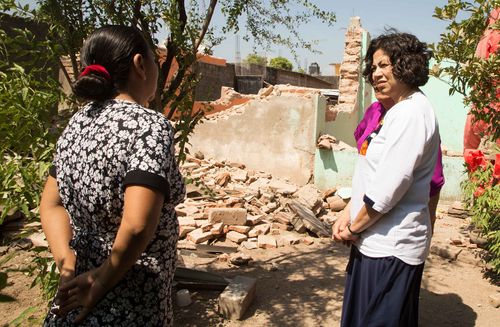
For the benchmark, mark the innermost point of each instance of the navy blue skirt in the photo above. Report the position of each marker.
(380, 292)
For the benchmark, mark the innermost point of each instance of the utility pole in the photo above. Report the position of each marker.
(237, 55)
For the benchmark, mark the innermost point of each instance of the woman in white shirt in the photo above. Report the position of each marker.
(389, 224)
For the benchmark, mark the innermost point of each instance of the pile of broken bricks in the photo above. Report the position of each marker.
(229, 207)
(252, 209)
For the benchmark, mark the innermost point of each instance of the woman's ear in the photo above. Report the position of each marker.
(138, 65)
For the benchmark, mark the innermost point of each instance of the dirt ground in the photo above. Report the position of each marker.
(302, 285)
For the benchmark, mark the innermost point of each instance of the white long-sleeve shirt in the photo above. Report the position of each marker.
(393, 178)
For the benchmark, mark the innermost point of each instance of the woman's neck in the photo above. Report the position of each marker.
(127, 97)
(404, 94)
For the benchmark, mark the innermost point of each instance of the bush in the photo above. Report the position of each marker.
(30, 95)
(28, 105)
(481, 194)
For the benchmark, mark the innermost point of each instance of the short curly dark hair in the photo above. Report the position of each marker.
(409, 57)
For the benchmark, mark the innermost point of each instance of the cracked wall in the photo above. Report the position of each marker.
(272, 133)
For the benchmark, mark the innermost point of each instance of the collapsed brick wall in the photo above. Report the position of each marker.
(351, 67)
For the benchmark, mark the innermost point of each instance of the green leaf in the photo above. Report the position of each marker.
(23, 316)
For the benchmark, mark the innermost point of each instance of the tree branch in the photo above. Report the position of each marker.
(206, 24)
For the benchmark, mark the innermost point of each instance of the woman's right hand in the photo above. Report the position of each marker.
(84, 291)
(340, 225)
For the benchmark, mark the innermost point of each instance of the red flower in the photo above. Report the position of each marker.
(473, 159)
(496, 168)
(479, 191)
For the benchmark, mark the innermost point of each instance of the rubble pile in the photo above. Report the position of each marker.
(226, 202)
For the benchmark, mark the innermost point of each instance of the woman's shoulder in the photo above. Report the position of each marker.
(414, 105)
(135, 111)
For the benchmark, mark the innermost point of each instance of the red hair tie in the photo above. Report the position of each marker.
(96, 69)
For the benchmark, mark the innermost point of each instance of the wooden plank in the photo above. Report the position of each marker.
(309, 219)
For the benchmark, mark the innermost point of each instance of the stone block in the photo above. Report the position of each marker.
(270, 207)
(336, 203)
(254, 220)
(282, 187)
(207, 227)
(310, 196)
(240, 229)
(236, 237)
(258, 184)
(280, 226)
(217, 229)
(201, 222)
(276, 232)
(180, 212)
(198, 236)
(229, 216)
(38, 239)
(237, 297)
(249, 245)
(298, 224)
(494, 300)
(445, 252)
(223, 178)
(289, 239)
(239, 259)
(329, 219)
(186, 221)
(470, 258)
(266, 242)
(184, 230)
(199, 216)
(328, 193)
(239, 175)
(259, 230)
(283, 217)
(186, 211)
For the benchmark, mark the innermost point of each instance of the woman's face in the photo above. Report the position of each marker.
(386, 100)
(382, 76)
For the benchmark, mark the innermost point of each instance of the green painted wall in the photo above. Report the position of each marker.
(450, 112)
(336, 168)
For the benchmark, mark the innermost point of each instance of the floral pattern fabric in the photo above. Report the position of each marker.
(105, 147)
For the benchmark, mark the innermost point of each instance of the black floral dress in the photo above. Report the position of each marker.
(105, 147)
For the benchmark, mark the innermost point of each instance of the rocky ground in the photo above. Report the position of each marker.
(239, 222)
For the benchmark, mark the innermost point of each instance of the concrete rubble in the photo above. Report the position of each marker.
(237, 297)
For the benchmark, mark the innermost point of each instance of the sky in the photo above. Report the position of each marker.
(412, 16)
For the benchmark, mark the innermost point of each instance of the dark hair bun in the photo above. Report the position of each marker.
(93, 87)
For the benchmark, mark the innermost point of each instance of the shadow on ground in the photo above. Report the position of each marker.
(292, 295)
(444, 310)
(306, 290)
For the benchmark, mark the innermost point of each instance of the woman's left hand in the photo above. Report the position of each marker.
(347, 236)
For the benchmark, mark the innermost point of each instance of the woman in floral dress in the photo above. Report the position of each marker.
(107, 209)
